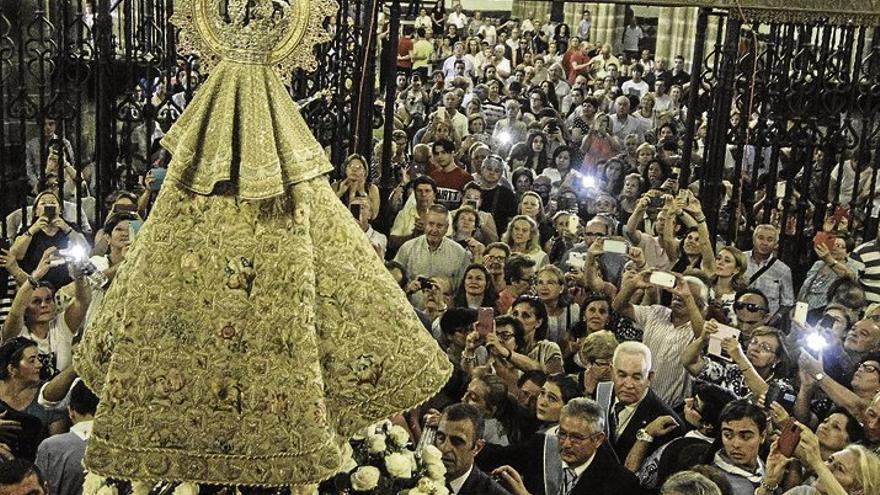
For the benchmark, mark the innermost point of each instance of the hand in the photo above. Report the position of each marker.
(774, 469)
(807, 449)
(7, 261)
(61, 224)
(6, 452)
(709, 328)
(806, 379)
(693, 206)
(661, 426)
(682, 288)
(511, 479)
(419, 226)
(809, 364)
(731, 345)
(821, 251)
(777, 413)
(595, 249)
(9, 431)
(636, 254)
(39, 225)
(149, 180)
(49, 255)
(476, 248)
(642, 280)
(495, 347)
(642, 204)
(472, 341)
(413, 286)
(669, 185)
(431, 418)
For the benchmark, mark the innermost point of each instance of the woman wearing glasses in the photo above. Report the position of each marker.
(856, 398)
(748, 371)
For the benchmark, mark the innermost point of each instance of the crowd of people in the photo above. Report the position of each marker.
(603, 341)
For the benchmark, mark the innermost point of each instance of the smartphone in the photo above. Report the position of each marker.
(471, 202)
(614, 246)
(825, 238)
(577, 260)
(158, 177)
(125, 207)
(800, 313)
(573, 223)
(485, 321)
(50, 211)
(773, 391)
(656, 201)
(676, 173)
(789, 437)
(716, 338)
(425, 283)
(780, 189)
(355, 210)
(662, 279)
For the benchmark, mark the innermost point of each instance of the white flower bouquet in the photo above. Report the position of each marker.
(384, 462)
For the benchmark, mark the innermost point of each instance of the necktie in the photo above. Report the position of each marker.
(568, 479)
(615, 418)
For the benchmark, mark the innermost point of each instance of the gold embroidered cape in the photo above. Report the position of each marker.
(252, 329)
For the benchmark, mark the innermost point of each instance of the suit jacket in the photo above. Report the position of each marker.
(479, 483)
(648, 410)
(606, 476)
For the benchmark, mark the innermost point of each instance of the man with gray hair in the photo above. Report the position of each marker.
(581, 466)
(631, 404)
(667, 331)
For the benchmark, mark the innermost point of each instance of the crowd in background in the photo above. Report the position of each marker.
(603, 341)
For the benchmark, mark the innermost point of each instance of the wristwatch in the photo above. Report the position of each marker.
(33, 281)
(819, 376)
(642, 435)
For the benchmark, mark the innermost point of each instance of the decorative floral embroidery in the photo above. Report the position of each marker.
(240, 274)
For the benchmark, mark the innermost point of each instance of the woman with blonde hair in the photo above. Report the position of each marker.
(729, 278)
(523, 237)
(532, 205)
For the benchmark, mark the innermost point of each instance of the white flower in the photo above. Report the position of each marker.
(435, 471)
(416, 491)
(441, 490)
(348, 463)
(376, 444)
(365, 478)
(108, 490)
(398, 465)
(141, 488)
(399, 435)
(186, 489)
(432, 455)
(426, 485)
(92, 483)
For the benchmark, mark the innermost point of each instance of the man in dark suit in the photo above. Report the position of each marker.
(460, 439)
(582, 466)
(630, 403)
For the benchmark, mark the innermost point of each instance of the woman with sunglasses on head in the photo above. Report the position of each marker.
(749, 371)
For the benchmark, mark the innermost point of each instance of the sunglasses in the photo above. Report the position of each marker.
(754, 308)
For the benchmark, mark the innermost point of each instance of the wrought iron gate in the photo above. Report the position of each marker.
(106, 73)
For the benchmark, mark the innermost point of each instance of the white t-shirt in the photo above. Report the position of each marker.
(640, 87)
(55, 348)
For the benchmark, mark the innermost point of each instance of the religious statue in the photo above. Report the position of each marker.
(252, 329)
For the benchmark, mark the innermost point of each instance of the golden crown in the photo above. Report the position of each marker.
(267, 32)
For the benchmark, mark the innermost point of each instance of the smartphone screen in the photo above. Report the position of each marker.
(485, 321)
(614, 246)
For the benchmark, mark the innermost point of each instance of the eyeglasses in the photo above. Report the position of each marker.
(870, 368)
(575, 437)
(754, 308)
(593, 234)
(762, 346)
(600, 362)
(505, 335)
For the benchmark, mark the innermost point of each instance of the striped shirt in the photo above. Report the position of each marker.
(867, 258)
(667, 342)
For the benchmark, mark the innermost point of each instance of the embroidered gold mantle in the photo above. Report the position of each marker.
(252, 329)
